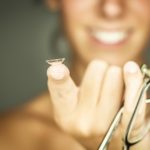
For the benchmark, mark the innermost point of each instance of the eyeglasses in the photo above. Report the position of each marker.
(127, 139)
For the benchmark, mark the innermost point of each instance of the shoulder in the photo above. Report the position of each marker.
(31, 127)
(37, 108)
(25, 123)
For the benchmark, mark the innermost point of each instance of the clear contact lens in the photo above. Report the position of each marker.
(55, 61)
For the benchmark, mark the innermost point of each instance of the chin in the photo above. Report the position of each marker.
(118, 60)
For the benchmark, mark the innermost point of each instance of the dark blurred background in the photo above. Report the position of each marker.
(26, 27)
(25, 30)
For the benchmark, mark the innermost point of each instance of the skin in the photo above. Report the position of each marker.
(79, 110)
(80, 17)
(110, 61)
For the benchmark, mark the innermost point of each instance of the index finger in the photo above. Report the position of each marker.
(62, 89)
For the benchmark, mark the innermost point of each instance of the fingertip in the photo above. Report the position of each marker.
(132, 72)
(131, 67)
(58, 72)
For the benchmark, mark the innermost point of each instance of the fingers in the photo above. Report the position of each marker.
(92, 84)
(111, 94)
(133, 81)
(62, 89)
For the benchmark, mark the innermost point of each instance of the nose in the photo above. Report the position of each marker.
(112, 9)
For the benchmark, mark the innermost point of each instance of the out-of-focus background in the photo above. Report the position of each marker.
(25, 32)
(26, 28)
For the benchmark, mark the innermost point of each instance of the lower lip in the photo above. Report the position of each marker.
(110, 46)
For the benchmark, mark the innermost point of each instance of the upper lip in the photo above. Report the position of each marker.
(112, 29)
(111, 26)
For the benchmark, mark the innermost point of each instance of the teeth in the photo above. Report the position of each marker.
(110, 37)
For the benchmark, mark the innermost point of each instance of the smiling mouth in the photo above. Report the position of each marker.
(110, 37)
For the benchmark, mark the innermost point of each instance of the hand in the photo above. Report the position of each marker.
(86, 112)
(133, 83)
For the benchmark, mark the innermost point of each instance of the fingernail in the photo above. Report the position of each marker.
(57, 72)
(131, 67)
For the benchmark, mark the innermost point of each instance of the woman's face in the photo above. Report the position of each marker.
(113, 30)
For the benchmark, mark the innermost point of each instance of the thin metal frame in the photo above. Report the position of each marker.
(126, 139)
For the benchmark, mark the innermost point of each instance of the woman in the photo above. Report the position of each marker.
(107, 38)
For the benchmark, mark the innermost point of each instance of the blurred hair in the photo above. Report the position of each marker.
(59, 45)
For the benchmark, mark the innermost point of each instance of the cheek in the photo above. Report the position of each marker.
(76, 9)
(141, 7)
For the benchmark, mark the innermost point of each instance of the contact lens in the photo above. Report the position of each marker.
(55, 61)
